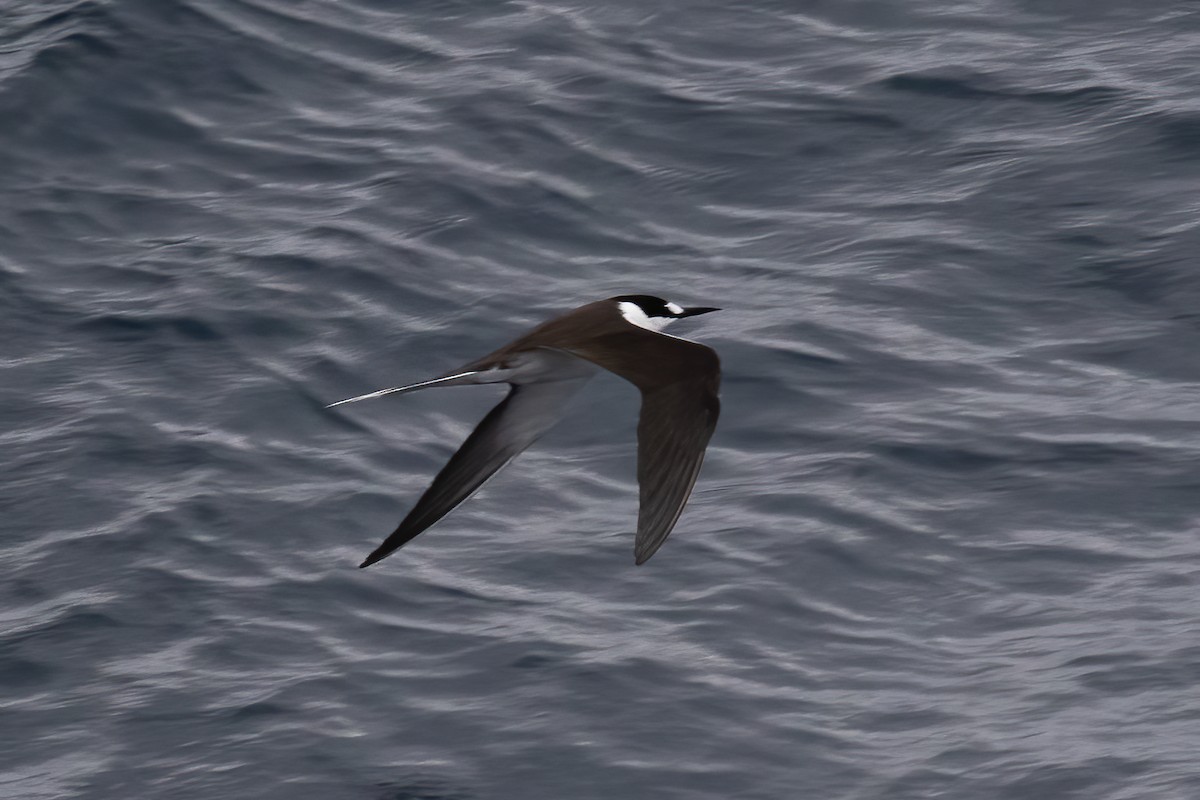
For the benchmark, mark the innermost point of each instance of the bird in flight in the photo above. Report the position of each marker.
(678, 380)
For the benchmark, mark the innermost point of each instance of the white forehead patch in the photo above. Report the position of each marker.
(632, 312)
(674, 309)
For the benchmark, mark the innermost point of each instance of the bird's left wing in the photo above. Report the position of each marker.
(525, 414)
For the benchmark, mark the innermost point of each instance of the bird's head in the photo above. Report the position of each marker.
(654, 313)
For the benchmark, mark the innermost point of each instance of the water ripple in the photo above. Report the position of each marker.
(944, 541)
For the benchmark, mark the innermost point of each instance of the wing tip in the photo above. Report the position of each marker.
(374, 558)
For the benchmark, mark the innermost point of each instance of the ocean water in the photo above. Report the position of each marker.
(946, 543)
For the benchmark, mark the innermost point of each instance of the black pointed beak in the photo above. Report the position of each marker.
(691, 312)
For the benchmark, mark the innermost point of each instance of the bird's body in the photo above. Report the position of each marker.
(678, 380)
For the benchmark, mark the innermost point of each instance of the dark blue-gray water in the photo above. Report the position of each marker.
(945, 544)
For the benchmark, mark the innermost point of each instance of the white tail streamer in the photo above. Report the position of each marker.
(410, 388)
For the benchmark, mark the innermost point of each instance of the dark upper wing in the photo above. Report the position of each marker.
(526, 413)
(676, 423)
(679, 381)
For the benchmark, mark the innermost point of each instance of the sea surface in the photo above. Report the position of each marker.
(946, 542)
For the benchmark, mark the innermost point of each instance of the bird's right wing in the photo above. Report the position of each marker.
(676, 423)
(679, 380)
(525, 414)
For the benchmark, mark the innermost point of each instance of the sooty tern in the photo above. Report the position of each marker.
(678, 380)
